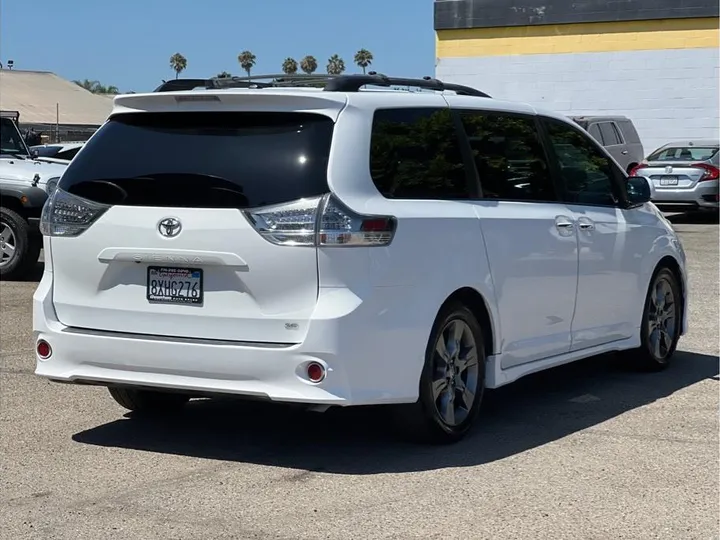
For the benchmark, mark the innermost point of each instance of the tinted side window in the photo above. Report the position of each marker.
(588, 175)
(415, 154)
(509, 156)
(609, 136)
(203, 159)
(595, 132)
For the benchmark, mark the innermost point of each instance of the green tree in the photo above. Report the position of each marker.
(309, 64)
(178, 63)
(247, 61)
(96, 87)
(336, 65)
(289, 66)
(363, 58)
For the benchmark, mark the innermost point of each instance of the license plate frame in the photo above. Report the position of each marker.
(187, 277)
(669, 181)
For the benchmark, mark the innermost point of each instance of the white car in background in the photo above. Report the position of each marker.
(334, 246)
(61, 153)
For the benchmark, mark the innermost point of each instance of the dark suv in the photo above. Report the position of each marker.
(618, 135)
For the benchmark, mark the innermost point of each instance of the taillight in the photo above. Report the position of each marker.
(320, 221)
(68, 215)
(635, 170)
(710, 172)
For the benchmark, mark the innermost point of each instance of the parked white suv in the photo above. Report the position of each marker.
(344, 246)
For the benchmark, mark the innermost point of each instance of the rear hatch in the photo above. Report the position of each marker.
(170, 251)
(673, 175)
(674, 168)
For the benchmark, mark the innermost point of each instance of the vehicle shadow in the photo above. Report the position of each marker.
(33, 276)
(694, 218)
(527, 414)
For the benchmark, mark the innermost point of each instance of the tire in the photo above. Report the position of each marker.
(15, 233)
(661, 323)
(148, 401)
(428, 420)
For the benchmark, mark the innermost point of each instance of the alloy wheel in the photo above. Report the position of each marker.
(8, 244)
(662, 319)
(455, 372)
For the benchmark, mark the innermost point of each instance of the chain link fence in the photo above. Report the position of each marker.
(55, 133)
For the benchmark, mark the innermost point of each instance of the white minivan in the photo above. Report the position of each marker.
(331, 241)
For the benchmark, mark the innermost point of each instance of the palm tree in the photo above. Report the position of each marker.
(289, 66)
(247, 61)
(309, 64)
(88, 85)
(363, 58)
(96, 88)
(336, 65)
(179, 63)
(223, 75)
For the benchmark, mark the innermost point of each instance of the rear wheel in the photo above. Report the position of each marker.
(661, 323)
(452, 381)
(148, 401)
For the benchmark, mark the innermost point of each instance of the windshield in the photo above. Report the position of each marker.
(11, 141)
(198, 159)
(684, 153)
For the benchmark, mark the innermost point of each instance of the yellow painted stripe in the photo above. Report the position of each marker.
(578, 38)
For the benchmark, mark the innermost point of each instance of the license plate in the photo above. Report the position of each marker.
(669, 181)
(167, 285)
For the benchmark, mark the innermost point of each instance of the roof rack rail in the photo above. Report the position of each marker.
(352, 83)
(329, 83)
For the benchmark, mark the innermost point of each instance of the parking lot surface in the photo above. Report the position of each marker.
(586, 451)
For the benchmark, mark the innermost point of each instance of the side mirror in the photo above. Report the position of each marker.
(34, 154)
(639, 190)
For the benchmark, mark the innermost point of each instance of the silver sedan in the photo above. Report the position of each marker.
(683, 174)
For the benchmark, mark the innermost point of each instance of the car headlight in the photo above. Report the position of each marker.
(51, 185)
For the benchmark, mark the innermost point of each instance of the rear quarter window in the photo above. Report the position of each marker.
(415, 154)
(214, 160)
(628, 132)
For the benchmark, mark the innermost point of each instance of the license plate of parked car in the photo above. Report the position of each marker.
(169, 285)
(669, 181)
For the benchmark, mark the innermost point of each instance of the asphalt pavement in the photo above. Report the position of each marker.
(587, 451)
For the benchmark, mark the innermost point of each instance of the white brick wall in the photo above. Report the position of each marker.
(670, 94)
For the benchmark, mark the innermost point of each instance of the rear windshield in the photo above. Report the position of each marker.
(211, 160)
(684, 153)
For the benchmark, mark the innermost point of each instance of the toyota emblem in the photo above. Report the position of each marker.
(668, 169)
(169, 227)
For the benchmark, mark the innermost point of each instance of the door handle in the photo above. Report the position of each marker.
(564, 224)
(585, 224)
(624, 152)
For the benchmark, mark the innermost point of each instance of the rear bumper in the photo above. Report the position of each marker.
(703, 195)
(354, 339)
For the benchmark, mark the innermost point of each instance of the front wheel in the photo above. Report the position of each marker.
(19, 250)
(661, 322)
(452, 381)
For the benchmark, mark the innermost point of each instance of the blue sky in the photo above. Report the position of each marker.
(128, 43)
